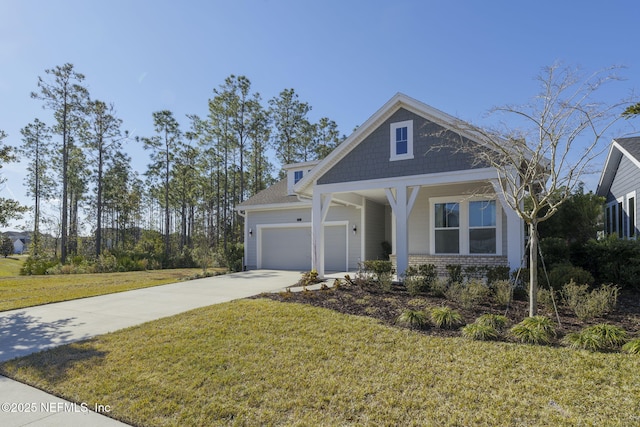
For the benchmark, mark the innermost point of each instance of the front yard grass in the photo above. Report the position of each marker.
(263, 362)
(27, 291)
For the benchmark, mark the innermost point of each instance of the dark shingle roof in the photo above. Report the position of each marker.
(276, 194)
(631, 144)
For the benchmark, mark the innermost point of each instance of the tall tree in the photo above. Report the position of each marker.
(327, 137)
(36, 138)
(541, 163)
(67, 98)
(164, 147)
(103, 141)
(290, 122)
(9, 209)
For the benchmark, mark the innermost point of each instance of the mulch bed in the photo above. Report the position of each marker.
(387, 306)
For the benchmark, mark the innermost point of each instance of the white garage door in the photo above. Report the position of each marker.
(335, 248)
(286, 248)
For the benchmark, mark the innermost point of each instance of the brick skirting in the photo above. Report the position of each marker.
(441, 261)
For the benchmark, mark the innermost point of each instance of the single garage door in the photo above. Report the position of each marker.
(286, 248)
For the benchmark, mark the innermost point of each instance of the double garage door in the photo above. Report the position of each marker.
(289, 248)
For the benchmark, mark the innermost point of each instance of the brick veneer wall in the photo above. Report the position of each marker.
(441, 261)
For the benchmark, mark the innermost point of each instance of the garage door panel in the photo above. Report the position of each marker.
(286, 248)
(335, 248)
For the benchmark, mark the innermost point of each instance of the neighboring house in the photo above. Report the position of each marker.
(392, 181)
(620, 185)
(19, 246)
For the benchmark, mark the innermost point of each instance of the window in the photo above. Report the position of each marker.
(465, 226)
(482, 227)
(632, 216)
(401, 141)
(447, 228)
(297, 176)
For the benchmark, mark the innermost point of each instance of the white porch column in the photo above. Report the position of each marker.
(319, 209)
(515, 230)
(401, 206)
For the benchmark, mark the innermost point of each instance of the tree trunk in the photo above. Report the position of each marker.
(533, 268)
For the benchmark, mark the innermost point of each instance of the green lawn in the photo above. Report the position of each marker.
(26, 291)
(261, 362)
(10, 266)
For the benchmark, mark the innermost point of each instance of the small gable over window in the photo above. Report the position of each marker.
(401, 141)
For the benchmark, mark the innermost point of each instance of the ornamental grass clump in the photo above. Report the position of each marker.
(601, 337)
(446, 318)
(416, 319)
(632, 347)
(480, 332)
(497, 321)
(534, 330)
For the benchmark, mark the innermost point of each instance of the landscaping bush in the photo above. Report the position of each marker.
(555, 250)
(439, 287)
(468, 294)
(455, 273)
(534, 330)
(611, 260)
(601, 337)
(562, 274)
(36, 265)
(497, 273)
(308, 278)
(416, 319)
(475, 272)
(480, 332)
(590, 304)
(419, 279)
(377, 266)
(546, 298)
(501, 290)
(446, 318)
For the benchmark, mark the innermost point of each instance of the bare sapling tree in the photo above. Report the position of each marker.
(543, 151)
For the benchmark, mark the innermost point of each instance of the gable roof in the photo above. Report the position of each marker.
(399, 100)
(272, 196)
(628, 147)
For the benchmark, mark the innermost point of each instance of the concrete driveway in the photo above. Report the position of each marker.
(28, 330)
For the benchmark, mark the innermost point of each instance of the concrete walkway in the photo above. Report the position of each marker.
(28, 330)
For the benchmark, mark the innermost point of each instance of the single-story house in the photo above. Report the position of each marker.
(392, 180)
(620, 184)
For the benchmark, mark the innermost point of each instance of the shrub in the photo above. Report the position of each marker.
(601, 337)
(501, 291)
(534, 330)
(419, 279)
(377, 266)
(611, 260)
(468, 294)
(480, 332)
(439, 287)
(455, 273)
(555, 250)
(632, 347)
(475, 272)
(385, 281)
(413, 318)
(562, 274)
(446, 318)
(546, 298)
(496, 321)
(308, 278)
(497, 273)
(36, 265)
(587, 305)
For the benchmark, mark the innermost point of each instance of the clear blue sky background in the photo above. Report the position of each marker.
(345, 58)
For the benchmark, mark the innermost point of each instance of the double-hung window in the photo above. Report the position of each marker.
(401, 141)
(297, 176)
(482, 227)
(466, 227)
(447, 228)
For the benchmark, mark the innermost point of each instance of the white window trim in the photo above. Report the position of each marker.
(464, 228)
(392, 141)
(626, 205)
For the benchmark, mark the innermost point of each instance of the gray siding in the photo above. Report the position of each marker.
(627, 179)
(370, 159)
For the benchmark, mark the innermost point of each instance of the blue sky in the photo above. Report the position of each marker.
(345, 58)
